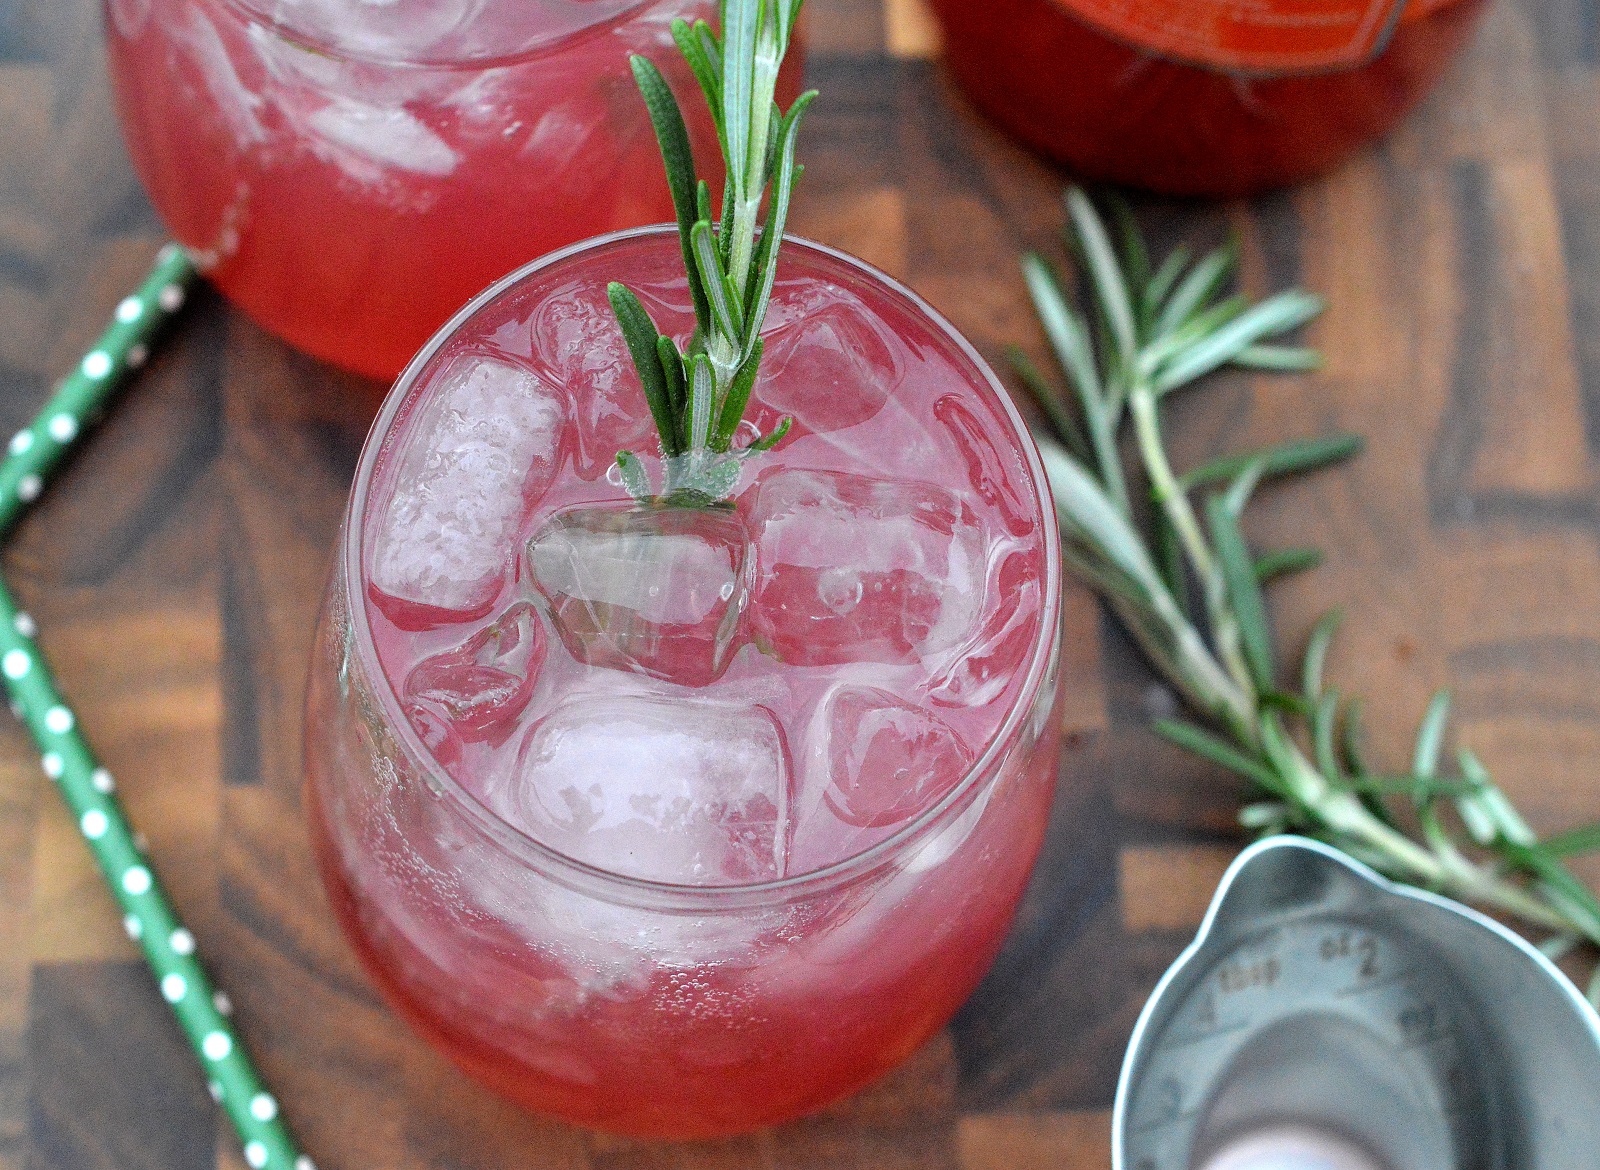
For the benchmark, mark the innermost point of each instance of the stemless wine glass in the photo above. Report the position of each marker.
(350, 172)
(878, 737)
(1200, 99)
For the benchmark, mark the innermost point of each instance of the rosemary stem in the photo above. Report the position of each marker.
(1452, 874)
(1169, 494)
(742, 255)
(750, 190)
(1174, 501)
(1222, 666)
(1103, 435)
(1478, 886)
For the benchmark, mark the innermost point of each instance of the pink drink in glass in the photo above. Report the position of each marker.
(350, 172)
(679, 822)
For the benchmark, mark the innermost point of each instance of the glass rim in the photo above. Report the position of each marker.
(260, 11)
(581, 874)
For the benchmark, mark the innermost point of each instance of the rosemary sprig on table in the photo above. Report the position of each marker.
(1181, 577)
(698, 396)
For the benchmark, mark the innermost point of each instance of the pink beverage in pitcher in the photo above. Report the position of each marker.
(683, 821)
(351, 172)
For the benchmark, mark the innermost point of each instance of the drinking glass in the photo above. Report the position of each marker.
(700, 860)
(350, 172)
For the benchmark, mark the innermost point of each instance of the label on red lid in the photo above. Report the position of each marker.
(1250, 36)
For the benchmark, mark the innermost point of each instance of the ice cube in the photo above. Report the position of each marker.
(887, 761)
(673, 790)
(830, 362)
(979, 671)
(652, 590)
(129, 16)
(853, 569)
(437, 734)
(484, 450)
(481, 686)
(986, 467)
(577, 336)
(234, 101)
(369, 140)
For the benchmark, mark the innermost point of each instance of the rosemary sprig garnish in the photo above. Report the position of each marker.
(698, 396)
(1182, 579)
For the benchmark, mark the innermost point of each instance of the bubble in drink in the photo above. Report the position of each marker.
(854, 569)
(473, 467)
(887, 760)
(481, 686)
(654, 591)
(673, 790)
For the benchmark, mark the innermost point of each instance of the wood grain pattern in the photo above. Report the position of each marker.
(177, 566)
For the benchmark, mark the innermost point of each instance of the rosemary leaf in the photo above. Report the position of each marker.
(1244, 593)
(1161, 284)
(642, 337)
(677, 391)
(1324, 727)
(634, 477)
(1567, 891)
(702, 385)
(784, 179)
(1134, 254)
(1169, 559)
(775, 436)
(1430, 736)
(1066, 332)
(1241, 489)
(1266, 818)
(1422, 788)
(1350, 742)
(1105, 272)
(1280, 359)
(1316, 658)
(672, 135)
(1284, 562)
(1571, 844)
(739, 32)
(1559, 946)
(1287, 310)
(1211, 747)
(726, 312)
(1195, 290)
(697, 43)
(738, 398)
(1061, 419)
(1084, 504)
(1283, 459)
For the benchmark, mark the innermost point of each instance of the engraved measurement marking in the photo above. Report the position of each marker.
(1348, 944)
(1238, 975)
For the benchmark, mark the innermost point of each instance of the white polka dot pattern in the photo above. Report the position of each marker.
(30, 454)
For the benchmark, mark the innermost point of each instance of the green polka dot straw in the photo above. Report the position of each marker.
(66, 758)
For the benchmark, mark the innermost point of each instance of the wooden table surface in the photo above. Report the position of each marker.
(176, 566)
